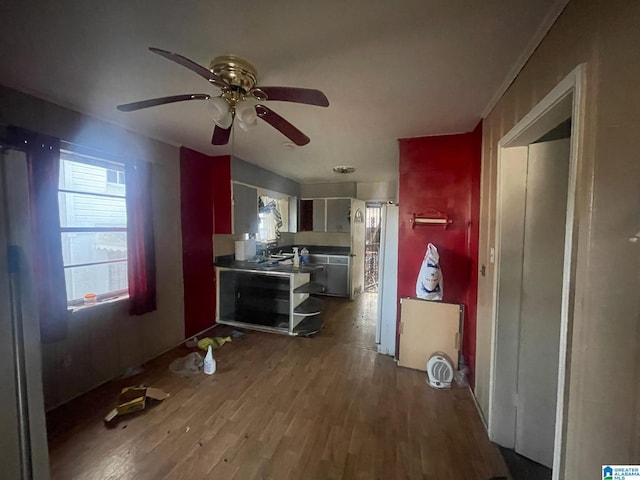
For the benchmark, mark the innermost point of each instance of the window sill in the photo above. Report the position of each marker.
(107, 301)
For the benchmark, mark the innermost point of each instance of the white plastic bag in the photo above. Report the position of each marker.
(429, 283)
(188, 365)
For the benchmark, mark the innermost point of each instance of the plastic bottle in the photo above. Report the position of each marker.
(296, 258)
(304, 256)
(209, 362)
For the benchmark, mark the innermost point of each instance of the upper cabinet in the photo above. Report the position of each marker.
(245, 209)
(325, 215)
(237, 186)
(338, 215)
(319, 212)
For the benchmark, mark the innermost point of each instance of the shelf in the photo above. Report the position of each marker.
(260, 282)
(266, 319)
(309, 326)
(310, 287)
(311, 306)
(254, 326)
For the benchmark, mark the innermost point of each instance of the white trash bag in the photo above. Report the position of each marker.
(188, 365)
(429, 284)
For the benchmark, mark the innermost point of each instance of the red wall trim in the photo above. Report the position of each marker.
(443, 173)
(221, 184)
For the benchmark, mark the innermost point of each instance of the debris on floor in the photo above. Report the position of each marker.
(237, 334)
(133, 399)
(188, 365)
(131, 371)
(215, 342)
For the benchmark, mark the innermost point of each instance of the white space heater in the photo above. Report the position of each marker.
(439, 371)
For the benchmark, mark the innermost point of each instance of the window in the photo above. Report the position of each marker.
(93, 220)
(273, 215)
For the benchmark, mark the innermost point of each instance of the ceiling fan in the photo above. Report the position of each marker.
(237, 79)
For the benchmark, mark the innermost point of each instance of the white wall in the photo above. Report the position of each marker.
(377, 191)
(104, 340)
(320, 190)
(334, 239)
(604, 371)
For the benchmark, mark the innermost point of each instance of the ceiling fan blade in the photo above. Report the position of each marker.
(220, 136)
(191, 65)
(279, 123)
(153, 102)
(308, 96)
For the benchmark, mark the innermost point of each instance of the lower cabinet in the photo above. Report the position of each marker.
(335, 274)
(337, 280)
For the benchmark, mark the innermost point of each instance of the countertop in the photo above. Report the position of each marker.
(228, 261)
(315, 249)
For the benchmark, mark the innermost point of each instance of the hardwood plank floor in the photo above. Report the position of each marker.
(281, 408)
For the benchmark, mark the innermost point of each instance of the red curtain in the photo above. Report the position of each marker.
(43, 161)
(140, 241)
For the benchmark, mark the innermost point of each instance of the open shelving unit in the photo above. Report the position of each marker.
(271, 301)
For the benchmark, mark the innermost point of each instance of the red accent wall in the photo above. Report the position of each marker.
(196, 208)
(221, 183)
(443, 173)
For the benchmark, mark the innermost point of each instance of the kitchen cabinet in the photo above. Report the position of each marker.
(245, 209)
(305, 216)
(318, 214)
(325, 215)
(338, 214)
(334, 277)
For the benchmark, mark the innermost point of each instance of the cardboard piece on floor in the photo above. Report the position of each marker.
(427, 327)
(133, 399)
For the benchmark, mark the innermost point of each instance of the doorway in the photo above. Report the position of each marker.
(373, 217)
(537, 171)
(536, 211)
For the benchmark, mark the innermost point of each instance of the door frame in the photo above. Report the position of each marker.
(568, 97)
(354, 292)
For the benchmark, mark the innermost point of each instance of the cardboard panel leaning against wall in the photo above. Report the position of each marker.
(104, 340)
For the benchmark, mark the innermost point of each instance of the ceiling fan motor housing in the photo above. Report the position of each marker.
(236, 71)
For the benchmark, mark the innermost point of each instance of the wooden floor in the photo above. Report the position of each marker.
(281, 408)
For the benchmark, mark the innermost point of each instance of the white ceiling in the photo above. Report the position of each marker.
(391, 69)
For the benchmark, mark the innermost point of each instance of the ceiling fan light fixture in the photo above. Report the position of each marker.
(246, 116)
(220, 112)
(344, 169)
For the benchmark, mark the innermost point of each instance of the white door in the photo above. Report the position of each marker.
(357, 247)
(387, 281)
(542, 270)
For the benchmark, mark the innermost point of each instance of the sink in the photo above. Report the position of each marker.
(267, 266)
(281, 256)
